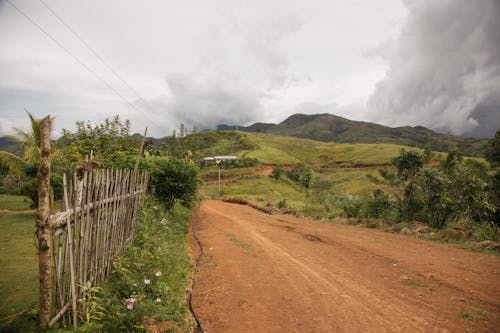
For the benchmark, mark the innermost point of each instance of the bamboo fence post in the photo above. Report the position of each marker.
(42, 228)
(71, 261)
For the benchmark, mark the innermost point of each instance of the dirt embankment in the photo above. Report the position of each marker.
(270, 273)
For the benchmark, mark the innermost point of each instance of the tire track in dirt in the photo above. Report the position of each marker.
(266, 273)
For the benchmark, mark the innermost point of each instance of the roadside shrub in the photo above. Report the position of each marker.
(244, 162)
(408, 163)
(277, 172)
(282, 203)
(377, 205)
(173, 180)
(302, 174)
(350, 205)
(486, 231)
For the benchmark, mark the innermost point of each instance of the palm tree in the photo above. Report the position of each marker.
(12, 162)
(29, 142)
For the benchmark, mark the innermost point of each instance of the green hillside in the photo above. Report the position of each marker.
(273, 149)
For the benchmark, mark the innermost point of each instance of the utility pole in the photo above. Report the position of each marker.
(218, 160)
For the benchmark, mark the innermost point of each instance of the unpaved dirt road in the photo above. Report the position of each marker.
(274, 273)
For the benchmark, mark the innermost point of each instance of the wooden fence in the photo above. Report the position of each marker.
(97, 222)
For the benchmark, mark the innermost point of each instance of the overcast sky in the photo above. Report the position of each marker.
(434, 63)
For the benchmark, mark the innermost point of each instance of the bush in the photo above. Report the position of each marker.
(350, 205)
(277, 173)
(173, 180)
(302, 174)
(30, 188)
(456, 189)
(377, 205)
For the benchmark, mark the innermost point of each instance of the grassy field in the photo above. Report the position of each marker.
(18, 270)
(14, 202)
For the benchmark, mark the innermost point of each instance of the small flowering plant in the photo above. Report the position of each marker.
(130, 302)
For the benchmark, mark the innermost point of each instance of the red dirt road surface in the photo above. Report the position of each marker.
(274, 273)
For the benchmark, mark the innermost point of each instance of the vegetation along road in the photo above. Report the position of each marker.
(277, 273)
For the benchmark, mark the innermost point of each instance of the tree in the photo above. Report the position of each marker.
(109, 142)
(408, 163)
(30, 140)
(493, 151)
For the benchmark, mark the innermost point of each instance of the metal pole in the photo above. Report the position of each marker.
(219, 178)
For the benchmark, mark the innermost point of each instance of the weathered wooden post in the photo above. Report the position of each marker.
(42, 228)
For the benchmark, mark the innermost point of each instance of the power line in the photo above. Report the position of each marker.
(90, 70)
(94, 52)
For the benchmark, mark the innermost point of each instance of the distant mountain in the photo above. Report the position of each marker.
(330, 128)
(10, 145)
(257, 127)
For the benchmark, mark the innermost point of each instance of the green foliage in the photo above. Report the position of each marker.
(303, 174)
(277, 172)
(110, 142)
(439, 195)
(495, 196)
(174, 180)
(30, 188)
(30, 141)
(377, 205)
(493, 150)
(350, 205)
(150, 279)
(408, 163)
(10, 163)
(91, 302)
(208, 143)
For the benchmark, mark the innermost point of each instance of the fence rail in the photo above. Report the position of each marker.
(98, 221)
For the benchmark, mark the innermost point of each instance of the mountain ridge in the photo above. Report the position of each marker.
(327, 127)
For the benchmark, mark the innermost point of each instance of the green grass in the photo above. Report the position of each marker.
(14, 202)
(353, 181)
(18, 265)
(245, 246)
(260, 191)
(212, 173)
